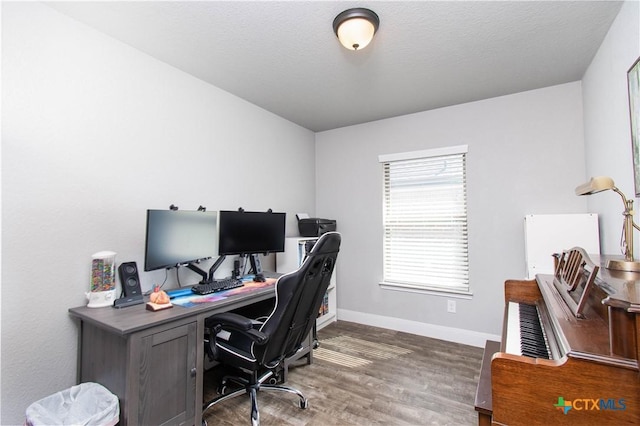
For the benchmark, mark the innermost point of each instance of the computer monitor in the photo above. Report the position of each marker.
(244, 232)
(179, 237)
(251, 233)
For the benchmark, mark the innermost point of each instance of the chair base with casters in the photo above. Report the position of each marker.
(266, 382)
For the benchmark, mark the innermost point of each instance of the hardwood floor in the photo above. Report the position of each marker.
(363, 375)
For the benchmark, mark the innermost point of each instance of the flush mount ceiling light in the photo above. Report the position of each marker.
(355, 27)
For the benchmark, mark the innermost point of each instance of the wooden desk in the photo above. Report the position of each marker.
(153, 361)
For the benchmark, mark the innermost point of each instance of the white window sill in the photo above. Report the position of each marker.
(426, 290)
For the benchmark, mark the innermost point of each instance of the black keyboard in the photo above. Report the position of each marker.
(215, 286)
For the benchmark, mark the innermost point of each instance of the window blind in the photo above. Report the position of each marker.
(425, 220)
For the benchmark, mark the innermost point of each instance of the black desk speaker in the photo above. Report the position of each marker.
(129, 279)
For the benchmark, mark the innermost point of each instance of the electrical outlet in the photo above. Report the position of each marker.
(451, 306)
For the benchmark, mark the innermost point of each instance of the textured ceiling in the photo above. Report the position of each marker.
(284, 57)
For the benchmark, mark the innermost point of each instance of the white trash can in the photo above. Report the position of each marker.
(84, 404)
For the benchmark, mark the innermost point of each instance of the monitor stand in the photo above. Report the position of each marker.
(256, 267)
(206, 277)
(215, 267)
(198, 271)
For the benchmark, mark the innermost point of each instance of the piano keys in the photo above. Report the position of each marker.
(579, 345)
(525, 335)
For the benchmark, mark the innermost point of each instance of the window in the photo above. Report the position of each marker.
(425, 220)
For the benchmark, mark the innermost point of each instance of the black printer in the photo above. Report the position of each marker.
(314, 227)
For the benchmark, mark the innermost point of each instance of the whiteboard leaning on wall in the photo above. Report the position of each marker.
(545, 234)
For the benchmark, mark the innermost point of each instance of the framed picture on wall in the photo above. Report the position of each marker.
(633, 78)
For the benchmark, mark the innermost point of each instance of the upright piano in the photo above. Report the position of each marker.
(570, 348)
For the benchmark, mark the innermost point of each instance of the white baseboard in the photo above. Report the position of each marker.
(456, 335)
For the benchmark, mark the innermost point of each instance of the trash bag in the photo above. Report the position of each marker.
(84, 404)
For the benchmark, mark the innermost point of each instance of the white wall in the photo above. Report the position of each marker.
(94, 133)
(525, 156)
(607, 130)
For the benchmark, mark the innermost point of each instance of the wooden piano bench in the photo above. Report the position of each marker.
(483, 401)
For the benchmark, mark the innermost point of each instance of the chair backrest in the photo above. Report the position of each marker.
(299, 295)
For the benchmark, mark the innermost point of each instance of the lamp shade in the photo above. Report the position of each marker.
(595, 184)
(355, 28)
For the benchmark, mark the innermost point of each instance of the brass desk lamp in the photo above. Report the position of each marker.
(603, 183)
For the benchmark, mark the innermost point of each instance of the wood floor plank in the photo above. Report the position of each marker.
(415, 381)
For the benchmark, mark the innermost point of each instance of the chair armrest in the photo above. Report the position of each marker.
(229, 319)
(235, 322)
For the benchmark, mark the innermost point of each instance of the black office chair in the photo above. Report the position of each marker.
(258, 352)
